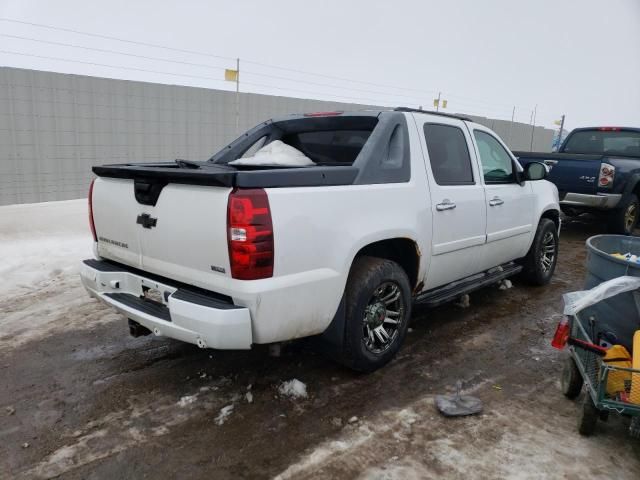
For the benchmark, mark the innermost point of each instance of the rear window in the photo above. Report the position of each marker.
(330, 146)
(609, 142)
(448, 154)
(326, 140)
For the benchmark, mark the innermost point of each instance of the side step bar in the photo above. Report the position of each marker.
(440, 295)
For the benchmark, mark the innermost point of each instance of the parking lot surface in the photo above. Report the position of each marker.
(79, 398)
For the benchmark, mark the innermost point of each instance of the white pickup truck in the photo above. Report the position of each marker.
(392, 208)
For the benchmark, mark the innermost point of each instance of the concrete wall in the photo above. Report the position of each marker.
(518, 135)
(54, 127)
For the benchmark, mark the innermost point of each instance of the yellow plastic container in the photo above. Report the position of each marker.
(634, 396)
(617, 356)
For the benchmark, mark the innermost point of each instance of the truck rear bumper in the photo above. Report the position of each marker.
(603, 201)
(190, 315)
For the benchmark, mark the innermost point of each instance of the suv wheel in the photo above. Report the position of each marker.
(378, 309)
(624, 218)
(540, 262)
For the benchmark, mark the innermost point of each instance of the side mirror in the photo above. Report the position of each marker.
(535, 171)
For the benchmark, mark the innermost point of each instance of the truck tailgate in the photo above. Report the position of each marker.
(574, 173)
(183, 236)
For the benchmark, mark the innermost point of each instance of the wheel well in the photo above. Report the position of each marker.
(403, 251)
(553, 215)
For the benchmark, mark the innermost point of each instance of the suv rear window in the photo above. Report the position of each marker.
(330, 146)
(610, 142)
(448, 154)
(327, 140)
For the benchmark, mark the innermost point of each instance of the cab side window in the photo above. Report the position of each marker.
(497, 165)
(448, 154)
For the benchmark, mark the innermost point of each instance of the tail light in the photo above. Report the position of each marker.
(323, 114)
(607, 174)
(561, 336)
(250, 234)
(91, 222)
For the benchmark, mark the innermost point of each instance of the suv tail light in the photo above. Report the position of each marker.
(607, 174)
(250, 234)
(91, 222)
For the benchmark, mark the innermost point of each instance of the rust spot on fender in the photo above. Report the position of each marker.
(420, 285)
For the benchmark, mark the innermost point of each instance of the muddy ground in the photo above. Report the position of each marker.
(79, 398)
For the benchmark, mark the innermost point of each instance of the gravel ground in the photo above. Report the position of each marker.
(79, 398)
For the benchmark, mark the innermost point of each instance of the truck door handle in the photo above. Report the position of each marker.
(445, 205)
(495, 201)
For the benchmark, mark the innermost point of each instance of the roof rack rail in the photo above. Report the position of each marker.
(430, 112)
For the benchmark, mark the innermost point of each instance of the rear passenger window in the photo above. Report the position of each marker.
(448, 154)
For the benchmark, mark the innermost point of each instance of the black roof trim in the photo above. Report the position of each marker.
(417, 110)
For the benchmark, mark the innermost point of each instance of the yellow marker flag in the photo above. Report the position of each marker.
(230, 75)
(557, 122)
(444, 104)
(436, 102)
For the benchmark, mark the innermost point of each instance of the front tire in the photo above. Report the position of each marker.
(378, 309)
(624, 218)
(540, 262)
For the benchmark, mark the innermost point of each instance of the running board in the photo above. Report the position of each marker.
(440, 295)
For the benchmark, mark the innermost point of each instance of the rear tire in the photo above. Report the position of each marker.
(540, 262)
(571, 381)
(623, 219)
(589, 415)
(378, 310)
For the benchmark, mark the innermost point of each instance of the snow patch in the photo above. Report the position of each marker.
(41, 248)
(41, 242)
(187, 400)
(224, 414)
(505, 284)
(293, 388)
(408, 469)
(276, 153)
(464, 301)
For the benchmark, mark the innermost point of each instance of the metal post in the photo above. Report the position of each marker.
(237, 95)
(533, 126)
(513, 114)
(560, 133)
(438, 104)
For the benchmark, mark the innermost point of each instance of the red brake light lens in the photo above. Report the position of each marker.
(609, 129)
(323, 114)
(250, 234)
(561, 337)
(91, 222)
